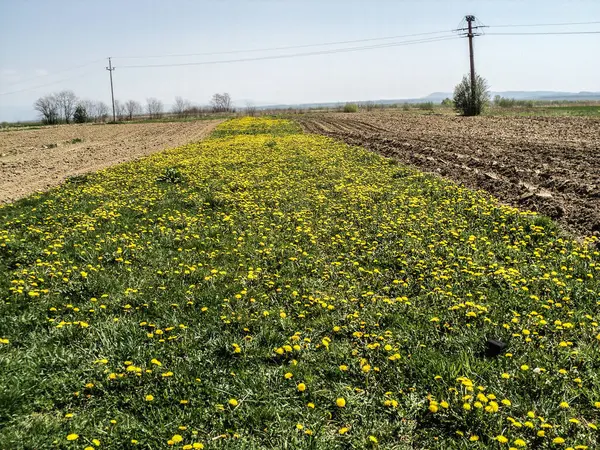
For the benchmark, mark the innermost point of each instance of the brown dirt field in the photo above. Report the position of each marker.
(546, 164)
(27, 164)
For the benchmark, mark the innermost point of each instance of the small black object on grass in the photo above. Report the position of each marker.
(494, 347)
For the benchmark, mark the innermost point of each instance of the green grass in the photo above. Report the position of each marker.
(21, 127)
(548, 111)
(206, 274)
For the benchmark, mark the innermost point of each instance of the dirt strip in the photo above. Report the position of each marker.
(35, 159)
(545, 164)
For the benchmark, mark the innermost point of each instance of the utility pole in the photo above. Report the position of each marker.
(471, 33)
(110, 69)
(469, 20)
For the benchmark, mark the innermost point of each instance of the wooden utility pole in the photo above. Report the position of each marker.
(110, 69)
(470, 20)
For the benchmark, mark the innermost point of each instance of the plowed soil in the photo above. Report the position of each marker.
(546, 164)
(36, 159)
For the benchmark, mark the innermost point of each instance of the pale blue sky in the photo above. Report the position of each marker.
(41, 38)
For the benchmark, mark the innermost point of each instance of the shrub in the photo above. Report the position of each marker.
(350, 108)
(80, 114)
(464, 102)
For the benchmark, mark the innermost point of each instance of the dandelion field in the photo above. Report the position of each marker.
(265, 288)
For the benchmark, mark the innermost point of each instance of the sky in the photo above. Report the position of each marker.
(48, 46)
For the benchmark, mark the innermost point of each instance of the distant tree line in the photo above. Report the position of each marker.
(66, 107)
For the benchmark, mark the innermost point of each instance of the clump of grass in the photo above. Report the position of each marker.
(75, 141)
(170, 175)
(350, 108)
(77, 179)
(50, 146)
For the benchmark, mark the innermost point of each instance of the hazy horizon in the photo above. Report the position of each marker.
(49, 42)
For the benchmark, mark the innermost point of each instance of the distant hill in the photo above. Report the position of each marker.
(437, 97)
(528, 95)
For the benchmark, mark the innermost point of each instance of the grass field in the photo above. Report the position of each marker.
(270, 289)
(567, 110)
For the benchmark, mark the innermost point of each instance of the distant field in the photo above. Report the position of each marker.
(270, 289)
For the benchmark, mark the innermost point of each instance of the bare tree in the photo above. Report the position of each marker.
(154, 107)
(66, 101)
(132, 108)
(101, 111)
(48, 108)
(369, 105)
(120, 110)
(221, 102)
(250, 109)
(181, 107)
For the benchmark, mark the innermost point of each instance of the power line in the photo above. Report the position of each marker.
(543, 33)
(48, 84)
(545, 24)
(55, 73)
(291, 47)
(292, 55)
